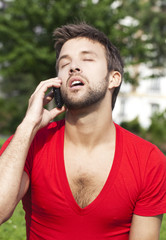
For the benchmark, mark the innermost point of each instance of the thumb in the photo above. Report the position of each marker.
(56, 111)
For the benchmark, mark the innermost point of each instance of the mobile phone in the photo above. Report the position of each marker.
(57, 97)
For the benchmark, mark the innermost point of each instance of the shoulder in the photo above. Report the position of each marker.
(51, 128)
(51, 131)
(140, 148)
(132, 139)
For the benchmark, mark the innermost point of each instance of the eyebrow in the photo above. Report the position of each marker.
(62, 57)
(89, 52)
(59, 59)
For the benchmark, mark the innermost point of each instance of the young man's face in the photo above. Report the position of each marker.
(82, 67)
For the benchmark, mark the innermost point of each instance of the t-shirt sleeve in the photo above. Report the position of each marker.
(152, 199)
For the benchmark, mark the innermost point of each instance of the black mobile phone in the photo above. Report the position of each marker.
(57, 97)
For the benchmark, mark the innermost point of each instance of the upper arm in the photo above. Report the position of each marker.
(24, 186)
(145, 228)
(23, 189)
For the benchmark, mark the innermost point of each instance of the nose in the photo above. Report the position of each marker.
(73, 70)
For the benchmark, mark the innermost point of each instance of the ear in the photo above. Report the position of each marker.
(114, 79)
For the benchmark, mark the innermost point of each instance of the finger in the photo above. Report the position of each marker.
(46, 81)
(50, 82)
(42, 88)
(48, 98)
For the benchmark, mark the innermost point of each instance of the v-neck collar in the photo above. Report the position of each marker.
(108, 184)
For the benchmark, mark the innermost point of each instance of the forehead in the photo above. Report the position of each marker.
(81, 45)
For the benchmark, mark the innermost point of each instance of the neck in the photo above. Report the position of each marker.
(89, 127)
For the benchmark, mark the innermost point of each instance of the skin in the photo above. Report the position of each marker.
(82, 65)
(12, 161)
(87, 133)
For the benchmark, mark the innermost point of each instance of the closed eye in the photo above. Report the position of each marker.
(64, 65)
(88, 59)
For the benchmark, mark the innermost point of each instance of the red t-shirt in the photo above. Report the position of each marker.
(136, 184)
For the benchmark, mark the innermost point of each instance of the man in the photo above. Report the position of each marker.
(84, 177)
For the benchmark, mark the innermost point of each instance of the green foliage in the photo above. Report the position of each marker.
(157, 130)
(156, 133)
(11, 114)
(133, 126)
(2, 140)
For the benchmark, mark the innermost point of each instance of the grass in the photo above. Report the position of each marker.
(163, 229)
(14, 228)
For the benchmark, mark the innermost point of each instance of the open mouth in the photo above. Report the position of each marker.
(76, 83)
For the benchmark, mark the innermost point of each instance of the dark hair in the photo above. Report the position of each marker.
(70, 31)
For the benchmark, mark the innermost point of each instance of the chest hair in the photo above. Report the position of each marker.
(87, 174)
(85, 189)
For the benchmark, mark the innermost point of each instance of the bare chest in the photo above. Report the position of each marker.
(87, 175)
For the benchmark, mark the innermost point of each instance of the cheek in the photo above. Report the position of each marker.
(100, 73)
(103, 69)
(63, 74)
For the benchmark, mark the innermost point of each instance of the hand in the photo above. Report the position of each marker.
(36, 114)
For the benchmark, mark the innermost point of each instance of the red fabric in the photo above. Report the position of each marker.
(136, 184)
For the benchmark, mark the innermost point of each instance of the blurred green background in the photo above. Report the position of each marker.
(27, 56)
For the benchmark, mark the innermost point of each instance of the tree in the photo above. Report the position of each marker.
(134, 126)
(27, 54)
(156, 132)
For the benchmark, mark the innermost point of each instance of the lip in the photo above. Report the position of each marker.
(75, 78)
